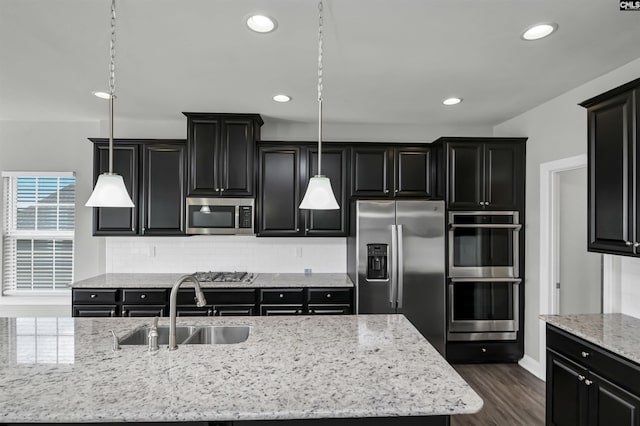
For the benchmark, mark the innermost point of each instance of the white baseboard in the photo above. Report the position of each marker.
(533, 367)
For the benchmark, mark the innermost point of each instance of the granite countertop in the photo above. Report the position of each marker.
(302, 367)
(259, 281)
(618, 333)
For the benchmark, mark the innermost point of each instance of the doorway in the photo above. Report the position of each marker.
(578, 284)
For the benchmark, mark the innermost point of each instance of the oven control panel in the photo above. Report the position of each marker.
(246, 217)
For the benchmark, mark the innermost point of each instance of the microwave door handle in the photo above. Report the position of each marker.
(400, 268)
(515, 227)
(237, 217)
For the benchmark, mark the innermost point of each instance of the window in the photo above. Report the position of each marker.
(39, 221)
(44, 341)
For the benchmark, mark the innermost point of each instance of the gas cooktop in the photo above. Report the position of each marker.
(227, 277)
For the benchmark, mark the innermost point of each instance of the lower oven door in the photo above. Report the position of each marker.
(483, 309)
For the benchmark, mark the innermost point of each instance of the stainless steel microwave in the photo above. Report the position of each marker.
(220, 216)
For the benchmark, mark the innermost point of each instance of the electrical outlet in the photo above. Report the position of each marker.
(308, 271)
(298, 251)
(151, 252)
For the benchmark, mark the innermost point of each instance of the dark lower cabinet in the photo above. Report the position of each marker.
(95, 310)
(587, 385)
(152, 302)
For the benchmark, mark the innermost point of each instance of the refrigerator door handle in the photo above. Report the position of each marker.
(394, 267)
(400, 267)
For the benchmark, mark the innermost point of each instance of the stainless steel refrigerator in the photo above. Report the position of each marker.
(396, 258)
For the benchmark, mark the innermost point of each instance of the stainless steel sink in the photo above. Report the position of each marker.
(141, 335)
(219, 335)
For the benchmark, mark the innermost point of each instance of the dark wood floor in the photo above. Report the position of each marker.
(512, 396)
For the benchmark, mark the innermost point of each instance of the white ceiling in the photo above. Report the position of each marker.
(386, 61)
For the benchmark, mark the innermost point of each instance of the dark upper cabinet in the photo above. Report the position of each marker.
(154, 173)
(370, 171)
(391, 171)
(284, 173)
(221, 153)
(483, 173)
(163, 194)
(117, 221)
(613, 159)
(279, 191)
(413, 172)
(335, 160)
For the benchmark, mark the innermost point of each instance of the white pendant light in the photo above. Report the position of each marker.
(319, 195)
(110, 190)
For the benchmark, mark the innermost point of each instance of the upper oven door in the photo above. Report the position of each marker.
(483, 244)
(219, 216)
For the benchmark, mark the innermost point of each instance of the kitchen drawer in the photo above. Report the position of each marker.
(101, 296)
(95, 310)
(287, 296)
(326, 309)
(144, 310)
(234, 310)
(141, 296)
(271, 310)
(599, 360)
(189, 311)
(329, 295)
(218, 296)
(480, 352)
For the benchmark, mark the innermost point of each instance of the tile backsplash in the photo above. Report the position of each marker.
(224, 253)
(630, 277)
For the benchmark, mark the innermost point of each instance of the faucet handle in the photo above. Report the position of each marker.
(116, 342)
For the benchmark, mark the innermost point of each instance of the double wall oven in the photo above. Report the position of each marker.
(483, 275)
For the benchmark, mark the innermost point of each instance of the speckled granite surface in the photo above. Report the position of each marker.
(616, 332)
(259, 281)
(63, 370)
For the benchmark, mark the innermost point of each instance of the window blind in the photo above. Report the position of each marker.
(38, 232)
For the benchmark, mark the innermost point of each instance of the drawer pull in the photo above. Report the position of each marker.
(143, 296)
(281, 295)
(585, 354)
(588, 382)
(93, 296)
(484, 350)
(328, 295)
(581, 377)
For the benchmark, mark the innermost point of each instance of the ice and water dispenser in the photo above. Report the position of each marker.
(377, 262)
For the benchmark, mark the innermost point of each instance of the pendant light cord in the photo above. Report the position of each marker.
(112, 80)
(320, 52)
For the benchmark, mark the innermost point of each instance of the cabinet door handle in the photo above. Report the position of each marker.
(328, 295)
(124, 312)
(585, 354)
(636, 244)
(112, 313)
(581, 377)
(588, 382)
(221, 189)
(297, 229)
(217, 189)
(93, 296)
(281, 295)
(628, 243)
(143, 296)
(386, 191)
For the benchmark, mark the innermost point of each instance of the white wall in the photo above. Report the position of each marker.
(48, 146)
(556, 129)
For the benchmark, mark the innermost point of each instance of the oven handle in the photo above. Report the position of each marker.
(485, 280)
(515, 227)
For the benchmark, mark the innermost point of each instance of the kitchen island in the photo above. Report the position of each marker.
(351, 369)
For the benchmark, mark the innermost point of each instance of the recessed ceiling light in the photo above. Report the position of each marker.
(452, 101)
(282, 98)
(538, 31)
(101, 95)
(261, 23)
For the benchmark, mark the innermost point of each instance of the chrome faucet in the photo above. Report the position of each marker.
(200, 302)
